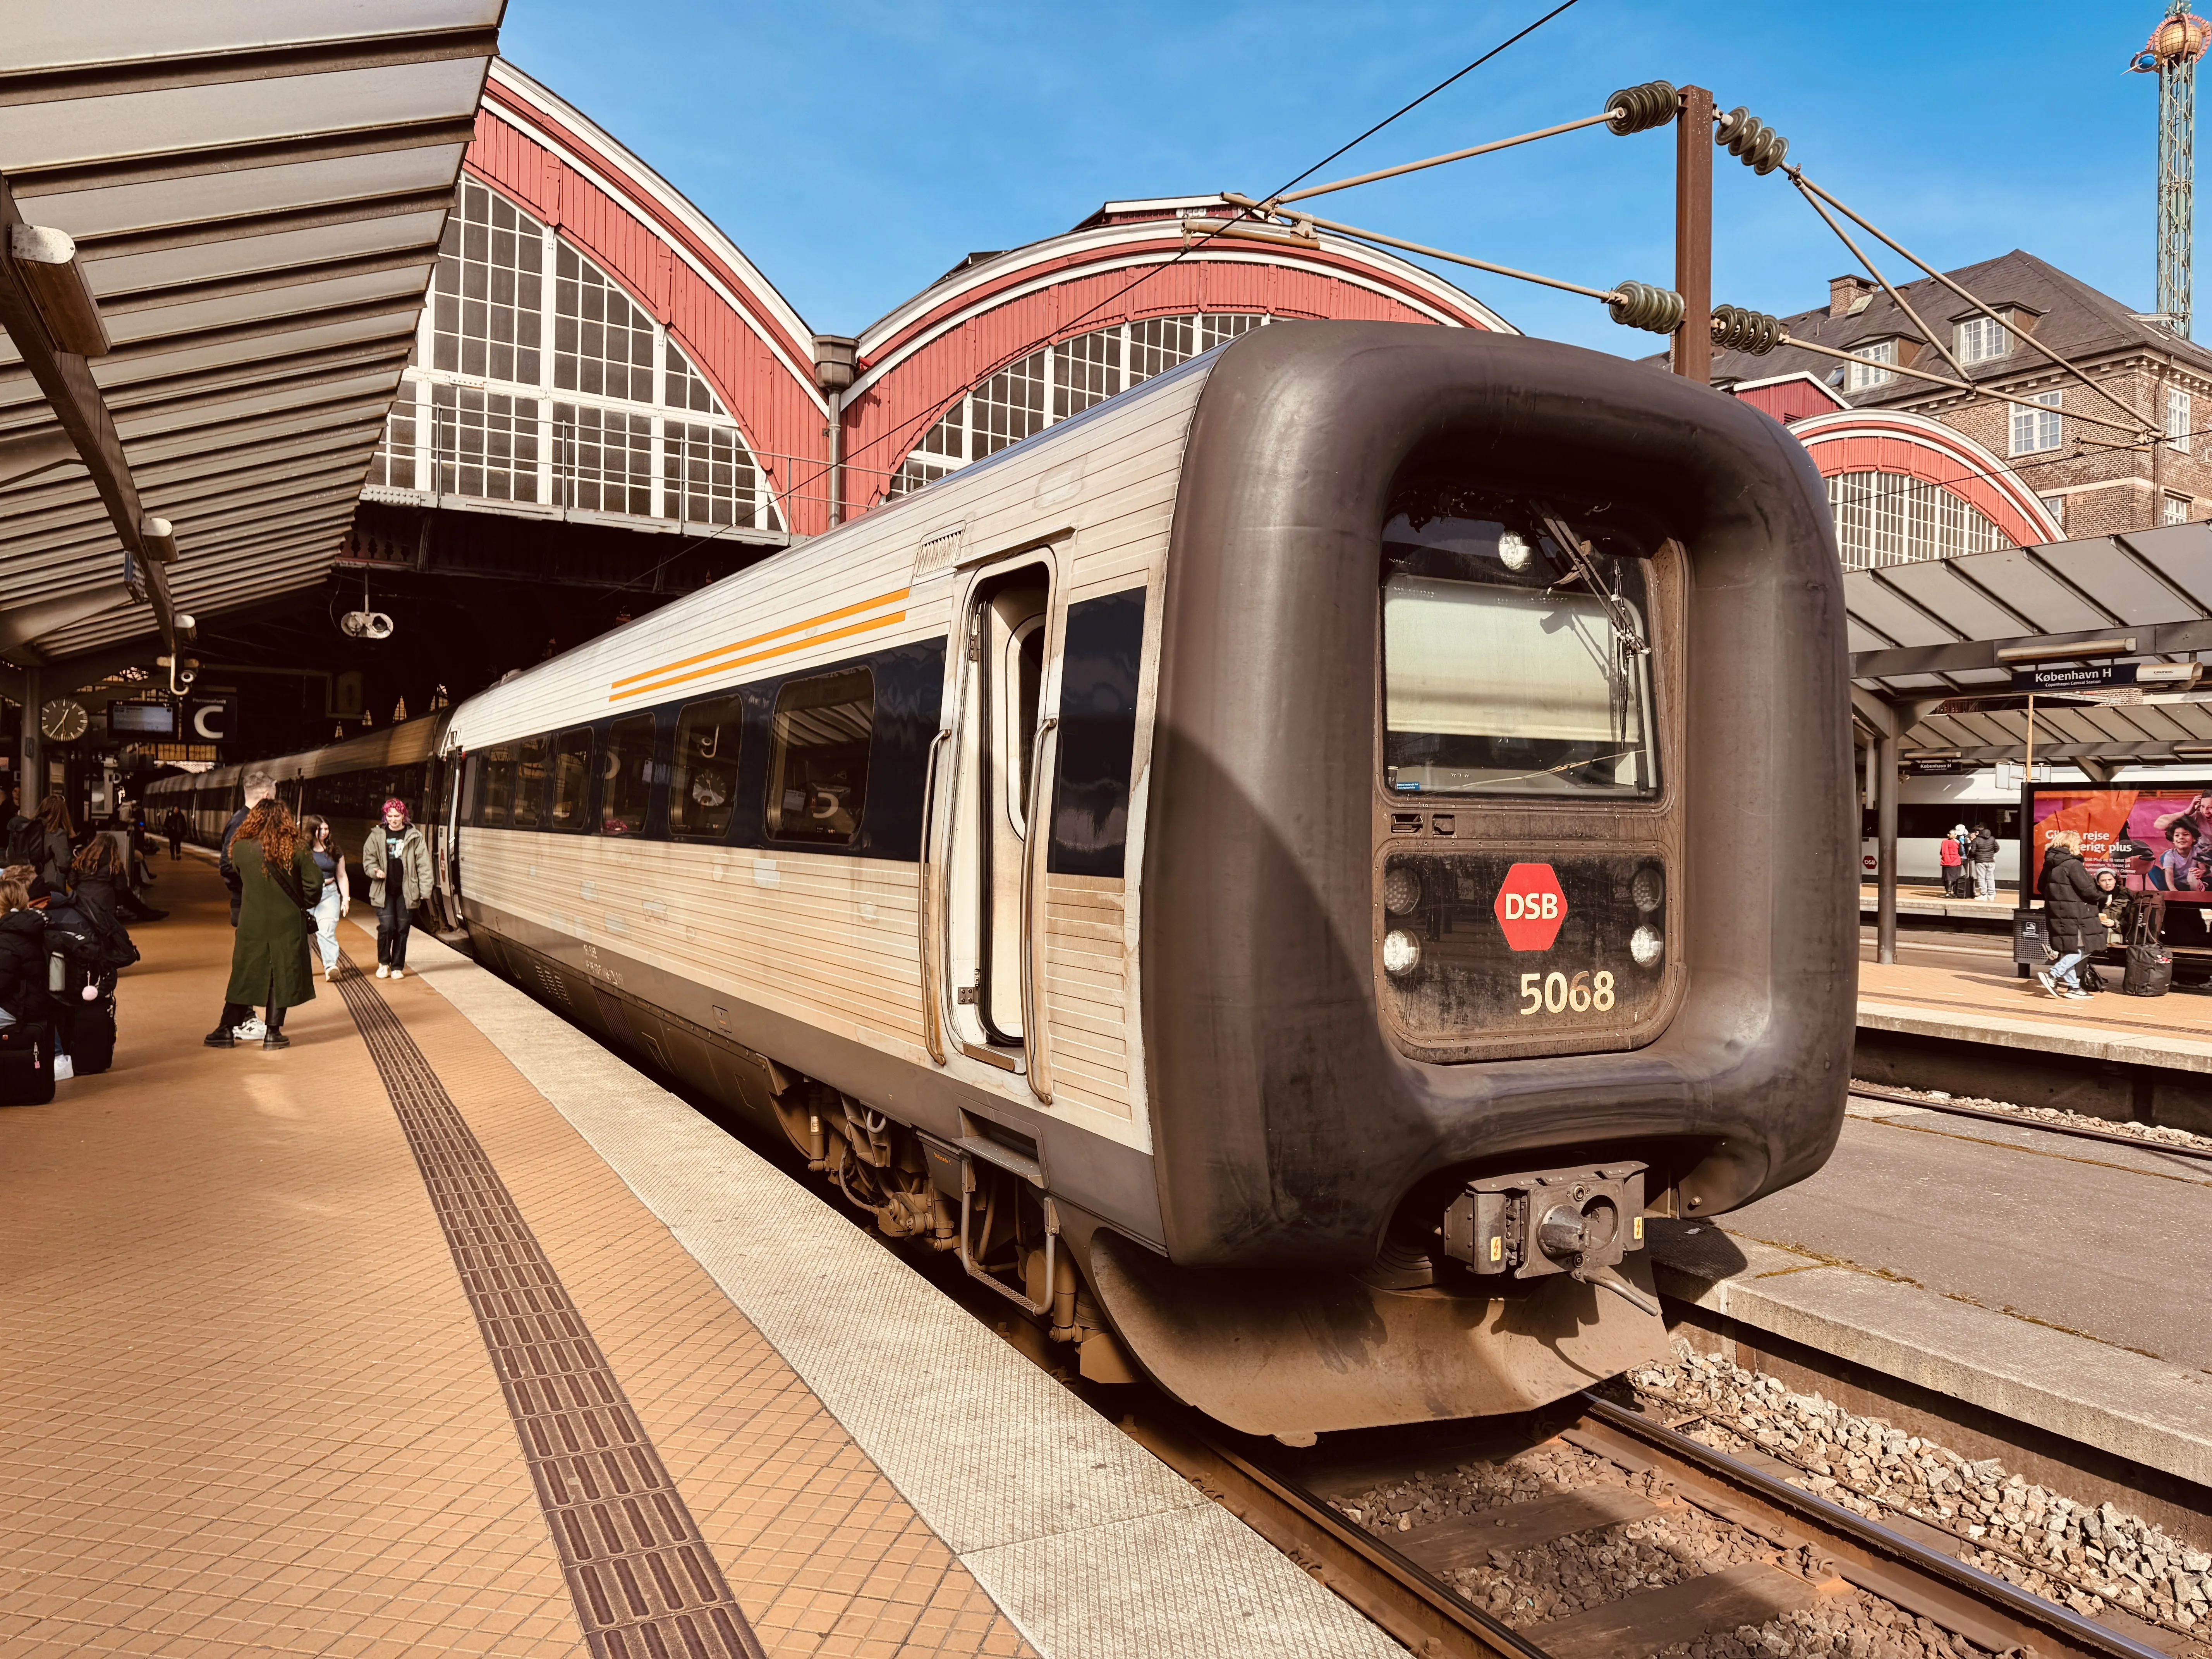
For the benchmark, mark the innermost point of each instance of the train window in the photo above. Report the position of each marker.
(1503, 671)
(492, 786)
(530, 783)
(818, 769)
(572, 778)
(626, 777)
(706, 775)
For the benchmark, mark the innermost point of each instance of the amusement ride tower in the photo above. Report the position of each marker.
(2175, 46)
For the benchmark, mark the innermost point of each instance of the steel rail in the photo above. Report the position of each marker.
(1902, 1098)
(2080, 1635)
(1274, 203)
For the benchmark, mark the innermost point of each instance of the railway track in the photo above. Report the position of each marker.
(2021, 1121)
(1735, 1560)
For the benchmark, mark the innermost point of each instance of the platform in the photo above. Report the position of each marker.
(1931, 900)
(446, 1331)
(1957, 1257)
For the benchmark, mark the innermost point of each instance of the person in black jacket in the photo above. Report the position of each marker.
(99, 894)
(23, 993)
(2071, 899)
(1981, 853)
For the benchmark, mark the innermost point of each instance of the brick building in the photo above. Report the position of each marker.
(1918, 470)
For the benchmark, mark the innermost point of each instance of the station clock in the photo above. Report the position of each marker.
(64, 719)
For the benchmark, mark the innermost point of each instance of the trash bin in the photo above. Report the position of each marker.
(2030, 949)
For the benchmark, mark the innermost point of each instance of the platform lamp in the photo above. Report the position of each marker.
(46, 265)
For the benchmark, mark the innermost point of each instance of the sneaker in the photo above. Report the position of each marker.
(63, 1070)
(2043, 977)
(399, 973)
(246, 1030)
(383, 971)
(331, 975)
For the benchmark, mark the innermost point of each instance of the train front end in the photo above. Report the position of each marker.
(1499, 884)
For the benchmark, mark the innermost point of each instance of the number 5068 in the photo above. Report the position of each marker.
(1555, 993)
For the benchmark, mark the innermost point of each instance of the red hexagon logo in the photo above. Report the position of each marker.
(1530, 907)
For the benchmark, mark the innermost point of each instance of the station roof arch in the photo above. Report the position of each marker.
(1130, 263)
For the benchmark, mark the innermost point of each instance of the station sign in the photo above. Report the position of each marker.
(2080, 677)
(212, 719)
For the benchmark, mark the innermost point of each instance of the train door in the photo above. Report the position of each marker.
(985, 804)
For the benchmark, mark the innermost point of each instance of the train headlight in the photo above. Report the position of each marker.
(1402, 952)
(1401, 891)
(1645, 944)
(1649, 890)
(1514, 551)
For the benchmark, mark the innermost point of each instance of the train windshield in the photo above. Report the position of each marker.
(1512, 663)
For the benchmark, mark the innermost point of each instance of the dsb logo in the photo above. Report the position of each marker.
(1512, 907)
(1530, 907)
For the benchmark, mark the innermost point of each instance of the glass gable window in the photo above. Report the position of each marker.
(537, 378)
(1063, 381)
(818, 769)
(704, 778)
(1980, 338)
(1888, 517)
(1503, 672)
(1865, 374)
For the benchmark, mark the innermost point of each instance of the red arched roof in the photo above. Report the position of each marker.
(967, 327)
(742, 336)
(1894, 440)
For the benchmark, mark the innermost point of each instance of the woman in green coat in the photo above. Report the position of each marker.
(269, 964)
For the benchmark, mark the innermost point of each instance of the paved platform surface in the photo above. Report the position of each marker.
(1966, 988)
(2017, 1270)
(306, 1350)
(1932, 901)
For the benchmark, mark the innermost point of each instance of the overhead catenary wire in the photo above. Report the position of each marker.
(1806, 187)
(1377, 236)
(1606, 117)
(930, 416)
(1841, 355)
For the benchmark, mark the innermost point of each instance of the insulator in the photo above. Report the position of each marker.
(1638, 109)
(1646, 305)
(1751, 141)
(1738, 328)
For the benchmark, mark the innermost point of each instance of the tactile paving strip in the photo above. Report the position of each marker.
(645, 1583)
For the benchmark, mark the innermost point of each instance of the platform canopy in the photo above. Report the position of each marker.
(1936, 642)
(242, 200)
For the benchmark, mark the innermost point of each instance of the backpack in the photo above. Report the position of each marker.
(26, 842)
(2149, 970)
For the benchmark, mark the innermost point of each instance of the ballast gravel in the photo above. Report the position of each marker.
(1526, 1587)
(2086, 1557)
(2157, 1134)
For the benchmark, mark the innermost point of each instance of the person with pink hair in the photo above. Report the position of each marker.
(397, 860)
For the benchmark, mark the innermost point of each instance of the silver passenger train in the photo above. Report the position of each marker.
(1282, 873)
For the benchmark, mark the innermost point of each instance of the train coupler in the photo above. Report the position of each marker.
(1579, 1221)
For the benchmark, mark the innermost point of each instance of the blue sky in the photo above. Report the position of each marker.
(855, 149)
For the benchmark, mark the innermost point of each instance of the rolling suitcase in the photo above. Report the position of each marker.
(91, 1035)
(2149, 972)
(26, 1064)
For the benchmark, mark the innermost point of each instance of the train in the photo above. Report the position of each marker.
(1262, 871)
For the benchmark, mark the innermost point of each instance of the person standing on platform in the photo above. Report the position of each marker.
(335, 900)
(259, 786)
(395, 846)
(173, 826)
(1981, 853)
(58, 837)
(277, 880)
(23, 993)
(1948, 854)
(2071, 900)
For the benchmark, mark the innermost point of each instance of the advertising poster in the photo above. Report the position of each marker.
(2155, 839)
